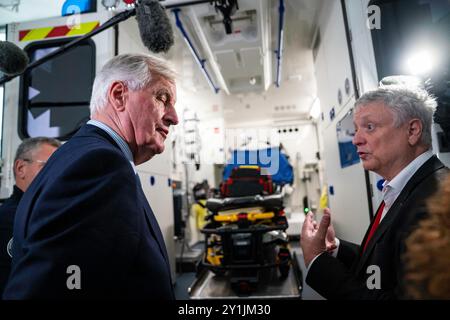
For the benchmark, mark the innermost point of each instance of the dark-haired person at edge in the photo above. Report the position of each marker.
(427, 257)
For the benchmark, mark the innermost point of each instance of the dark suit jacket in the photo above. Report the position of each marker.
(346, 277)
(7, 214)
(86, 208)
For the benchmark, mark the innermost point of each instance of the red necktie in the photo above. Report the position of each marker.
(375, 224)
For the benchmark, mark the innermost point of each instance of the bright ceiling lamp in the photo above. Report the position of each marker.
(420, 62)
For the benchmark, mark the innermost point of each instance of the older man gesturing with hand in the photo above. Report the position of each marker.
(317, 239)
(393, 139)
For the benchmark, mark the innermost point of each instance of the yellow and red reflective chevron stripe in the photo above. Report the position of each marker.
(60, 31)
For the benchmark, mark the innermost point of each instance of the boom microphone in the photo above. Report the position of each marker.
(154, 26)
(13, 60)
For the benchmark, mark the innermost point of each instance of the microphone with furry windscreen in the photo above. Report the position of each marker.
(154, 26)
(13, 60)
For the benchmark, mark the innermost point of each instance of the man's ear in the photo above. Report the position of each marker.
(415, 130)
(118, 95)
(19, 168)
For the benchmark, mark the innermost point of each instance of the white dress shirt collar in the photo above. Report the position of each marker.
(392, 189)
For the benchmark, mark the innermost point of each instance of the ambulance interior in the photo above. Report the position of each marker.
(253, 75)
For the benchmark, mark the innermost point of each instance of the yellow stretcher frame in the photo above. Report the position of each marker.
(251, 216)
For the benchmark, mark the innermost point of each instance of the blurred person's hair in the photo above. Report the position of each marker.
(427, 258)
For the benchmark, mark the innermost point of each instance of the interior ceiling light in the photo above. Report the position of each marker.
(420, 63)
(110, 4)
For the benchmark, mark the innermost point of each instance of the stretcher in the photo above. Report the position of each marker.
(245, 239)
(246, 242)
(208, 285)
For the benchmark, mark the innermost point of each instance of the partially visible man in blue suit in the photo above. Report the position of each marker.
(31, 156)
(84, 229)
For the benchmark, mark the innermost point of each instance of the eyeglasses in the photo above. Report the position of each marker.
(41, 162)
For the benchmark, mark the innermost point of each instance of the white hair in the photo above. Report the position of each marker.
(406, 103)
(134, 70)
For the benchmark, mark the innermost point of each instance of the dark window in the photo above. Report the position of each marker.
(55, 96)
(416, 29)
(408, 27)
